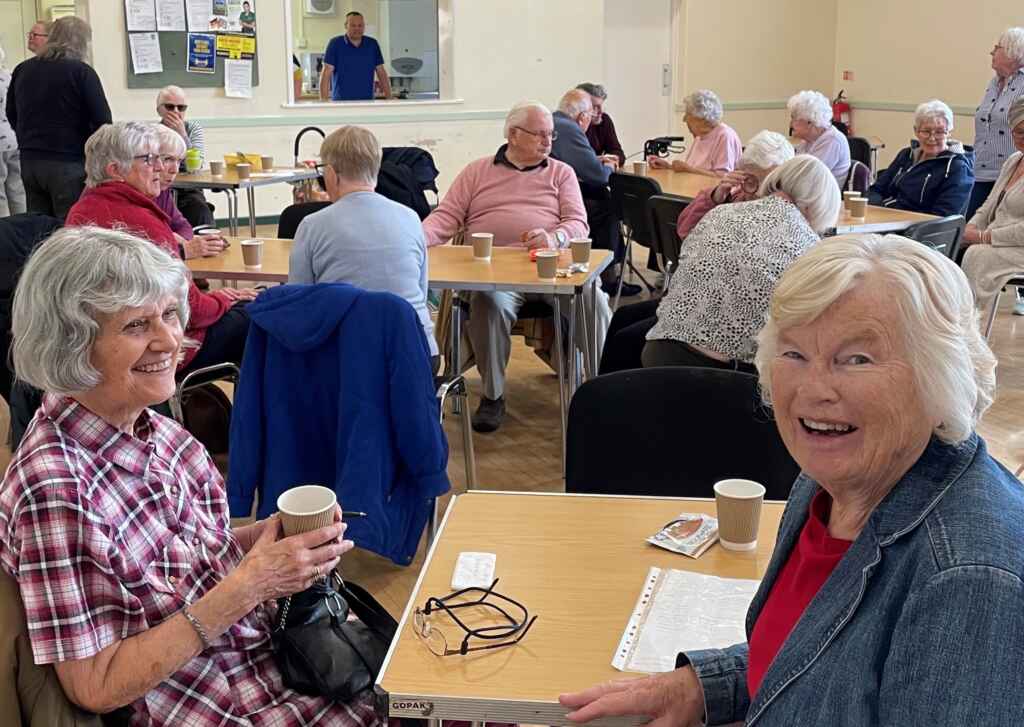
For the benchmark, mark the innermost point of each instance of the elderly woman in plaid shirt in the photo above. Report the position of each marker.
(114, 520)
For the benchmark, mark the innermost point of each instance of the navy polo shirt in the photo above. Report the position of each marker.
(353, 67)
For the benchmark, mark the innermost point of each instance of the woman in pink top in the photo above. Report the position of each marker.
(716, 147)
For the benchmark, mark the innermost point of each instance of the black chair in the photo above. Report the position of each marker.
(292, 215)
(858, 179)
(664, 211)
(629, 205)
(688, 428)
(860, 150)
(942, 235)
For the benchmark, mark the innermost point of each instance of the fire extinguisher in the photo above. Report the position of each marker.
(842, 112)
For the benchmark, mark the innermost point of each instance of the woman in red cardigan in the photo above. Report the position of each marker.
(122, 179)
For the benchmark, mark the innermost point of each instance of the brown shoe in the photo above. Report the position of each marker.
(489, 414)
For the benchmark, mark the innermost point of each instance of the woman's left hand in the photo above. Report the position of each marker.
(239, 294)
(669, 699)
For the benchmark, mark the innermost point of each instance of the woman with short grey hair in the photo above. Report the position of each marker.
(993, 143)
(897, 578)
(715, 148)
(123, 165)
(730, 263)
(933, 175)
(126, 514)
(810, 118)
(56, 101)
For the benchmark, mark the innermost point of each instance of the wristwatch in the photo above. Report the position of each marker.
(562, 238)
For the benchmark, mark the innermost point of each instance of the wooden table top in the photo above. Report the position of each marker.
(229, 179)
(682, 184)
(510, 268)
(880, 219)
(230, 266)
(577, 562)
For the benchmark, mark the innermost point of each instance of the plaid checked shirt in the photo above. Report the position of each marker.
(109, 534)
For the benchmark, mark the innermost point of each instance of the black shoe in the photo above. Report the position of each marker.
(489, 415)
(628, 290)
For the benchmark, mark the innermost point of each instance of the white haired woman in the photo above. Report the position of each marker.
(810, 117)
(122, 163)
(55, 103)
(715, 148)
(172, 152)
(933, 175)
(996, 232)
(114, 520)
(12, 190)
(730, 264)
(895, 592)
(993, 144)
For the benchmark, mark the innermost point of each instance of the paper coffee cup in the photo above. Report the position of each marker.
(580, 247)
(482, 244)
(252, 253)
(305, 508)
(847, 196)
(739, 513)
(216, 168)
(243, 169)
(267, 163)
(858, 208)
(640, 168)
(547, 264)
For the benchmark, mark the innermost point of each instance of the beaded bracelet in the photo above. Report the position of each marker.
(187, 613)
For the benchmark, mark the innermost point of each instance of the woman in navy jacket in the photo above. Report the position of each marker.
(934, 174)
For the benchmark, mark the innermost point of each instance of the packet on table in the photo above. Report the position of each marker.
(690, 534)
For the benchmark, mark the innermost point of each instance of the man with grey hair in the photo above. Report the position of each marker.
(572, 119)
(601, 134)
(171, 105)
(386, 251)
(525, 199)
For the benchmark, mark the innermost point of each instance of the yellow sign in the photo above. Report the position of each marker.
(236, 46)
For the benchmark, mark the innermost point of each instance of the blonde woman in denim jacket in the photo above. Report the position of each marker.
(895, 594)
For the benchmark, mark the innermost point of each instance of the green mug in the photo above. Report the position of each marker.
(193, 160)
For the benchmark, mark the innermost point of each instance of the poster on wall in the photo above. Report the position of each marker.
(170, 15)
(145, 48)
(236, 46)
(141, 15)
(238, 78)
(199, 13)
(202, 53)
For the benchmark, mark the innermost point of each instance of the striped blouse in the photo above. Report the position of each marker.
(992, 142)
(195, 141)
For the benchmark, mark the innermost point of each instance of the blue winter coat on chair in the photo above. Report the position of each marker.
(937, 186)
(336, 389)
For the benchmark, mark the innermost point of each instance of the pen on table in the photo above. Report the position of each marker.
(346, 514)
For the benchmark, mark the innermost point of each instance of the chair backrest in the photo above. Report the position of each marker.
(292, 215)
(942, 235)
(629, 204)
(858, 179)
(860, 149)
(673, 431)
(664, 211)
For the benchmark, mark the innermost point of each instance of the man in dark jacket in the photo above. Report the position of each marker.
(570, 145)
(933, 175)
(602, 135)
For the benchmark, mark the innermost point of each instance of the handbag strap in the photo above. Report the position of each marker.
(366, 607)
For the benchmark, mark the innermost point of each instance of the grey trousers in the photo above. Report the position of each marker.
(988, 267)
(12, 189)
(490, 324)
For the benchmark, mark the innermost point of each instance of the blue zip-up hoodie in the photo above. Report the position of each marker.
(336, 389)
(937, 186)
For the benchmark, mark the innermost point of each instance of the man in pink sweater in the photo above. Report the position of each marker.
(525, 199)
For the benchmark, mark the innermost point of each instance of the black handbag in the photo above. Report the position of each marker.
(322, 653)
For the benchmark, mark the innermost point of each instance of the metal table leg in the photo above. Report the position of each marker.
(574, 363)
(596, 361)
(586, 350)
(452, 366)
(250, 194)
(561, 373)
(232, 199)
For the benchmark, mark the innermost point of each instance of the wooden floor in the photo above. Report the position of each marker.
(524, 454)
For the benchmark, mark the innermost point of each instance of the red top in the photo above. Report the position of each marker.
(117, 205)
(810, 564)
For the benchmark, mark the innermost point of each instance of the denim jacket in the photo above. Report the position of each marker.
(922, 621)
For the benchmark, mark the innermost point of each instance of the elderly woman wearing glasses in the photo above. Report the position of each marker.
(934, 174)
(122, 164)
(114, 520)
(810, 116)
(715, 148)
(172, 151)
(895, 594)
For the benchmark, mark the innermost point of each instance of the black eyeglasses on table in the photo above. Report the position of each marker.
(510, 632)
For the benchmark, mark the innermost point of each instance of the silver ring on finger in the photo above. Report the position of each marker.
(316, 573)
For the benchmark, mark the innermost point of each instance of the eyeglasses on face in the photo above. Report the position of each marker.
(932, 133)
(508, 632)
(33, 34)
(170, 160)
(182, 107)
(150, 160)
(550, 135)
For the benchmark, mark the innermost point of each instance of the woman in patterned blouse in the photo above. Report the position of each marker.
(730, 263)
(114, 520)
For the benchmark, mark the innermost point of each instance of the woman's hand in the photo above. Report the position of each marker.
(240, 294)
(670, 699)
(274, 568)
(971, 235)
(204, 245)
(655, 162)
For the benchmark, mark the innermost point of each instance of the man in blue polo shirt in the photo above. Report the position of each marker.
(350, 63)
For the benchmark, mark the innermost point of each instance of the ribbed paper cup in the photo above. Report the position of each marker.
(580, 247)
(739, 513)
(306, 508)
(482, 244)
